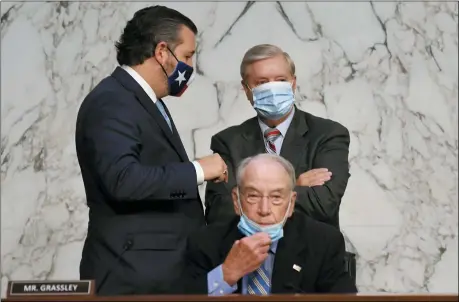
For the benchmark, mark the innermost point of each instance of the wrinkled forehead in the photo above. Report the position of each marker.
(265, 176)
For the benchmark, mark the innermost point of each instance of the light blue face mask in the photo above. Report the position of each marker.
(249, 227)
(273, 100)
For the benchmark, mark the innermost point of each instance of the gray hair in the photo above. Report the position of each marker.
(261, 52)
(270, 157)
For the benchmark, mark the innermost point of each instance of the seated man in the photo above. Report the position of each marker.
(254, 253)
(317, 148)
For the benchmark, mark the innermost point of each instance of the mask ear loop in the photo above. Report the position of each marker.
(284, 220)
(172, 53)
(288, 210)
(162, 67)
(239, 202)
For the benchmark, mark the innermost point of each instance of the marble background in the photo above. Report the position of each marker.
(387, 71)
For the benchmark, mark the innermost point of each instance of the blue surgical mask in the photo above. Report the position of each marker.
(249, 227)
(180, 79)
(273, 100)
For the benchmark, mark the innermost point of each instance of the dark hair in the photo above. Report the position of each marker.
(148, 27)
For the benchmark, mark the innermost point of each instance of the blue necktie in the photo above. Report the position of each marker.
(160, 106)
(259, 283)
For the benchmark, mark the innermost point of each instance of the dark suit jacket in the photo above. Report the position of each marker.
(316, 247)
(311, 142)
(140, 187)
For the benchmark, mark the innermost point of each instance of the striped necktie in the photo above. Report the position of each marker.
(259, 283)
(161, 108)
(271, 134)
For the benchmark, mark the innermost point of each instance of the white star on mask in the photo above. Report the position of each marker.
(181, 77)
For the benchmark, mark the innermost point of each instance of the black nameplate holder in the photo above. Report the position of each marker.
(50, 288)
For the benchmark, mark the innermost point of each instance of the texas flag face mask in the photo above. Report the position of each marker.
(180, 79)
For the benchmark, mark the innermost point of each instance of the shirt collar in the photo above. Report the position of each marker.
(273, 247)
(282, 127)
(138, 78)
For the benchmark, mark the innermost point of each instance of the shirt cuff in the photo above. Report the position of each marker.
(199, 172)
(216, 286)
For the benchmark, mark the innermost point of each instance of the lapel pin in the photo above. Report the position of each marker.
(297, 268)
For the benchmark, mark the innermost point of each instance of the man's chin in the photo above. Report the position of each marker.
(265, 224)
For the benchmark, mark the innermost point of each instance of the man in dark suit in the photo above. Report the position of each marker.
(256, 254)
(318, 148)
(141, 188)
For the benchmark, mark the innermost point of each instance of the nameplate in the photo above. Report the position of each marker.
(51, 287)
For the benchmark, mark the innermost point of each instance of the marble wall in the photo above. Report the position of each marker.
(387, 71)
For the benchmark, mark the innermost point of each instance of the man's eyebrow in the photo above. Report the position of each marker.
(192, 52)
(250, 188)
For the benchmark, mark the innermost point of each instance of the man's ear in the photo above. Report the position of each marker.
(292, 205)
(248, 92)
(234, 195)
(161, 53)
(294, 84)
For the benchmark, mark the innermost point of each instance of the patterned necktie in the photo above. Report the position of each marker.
(160, 106)
(271, 134)
(259, 283)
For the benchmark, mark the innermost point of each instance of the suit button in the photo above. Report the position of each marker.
(128, 244)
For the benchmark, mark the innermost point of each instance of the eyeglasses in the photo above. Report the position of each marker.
(254, 198)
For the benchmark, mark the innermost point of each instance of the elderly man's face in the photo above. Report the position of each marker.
(265, 193)
(267, 70)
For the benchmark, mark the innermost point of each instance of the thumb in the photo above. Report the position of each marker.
(236, 244)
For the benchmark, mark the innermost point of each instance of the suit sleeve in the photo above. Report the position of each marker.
(333, 277)
(112, 139)
(322, 202)
(197, 266)
(219, 203)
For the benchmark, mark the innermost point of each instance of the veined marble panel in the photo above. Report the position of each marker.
(387, 71)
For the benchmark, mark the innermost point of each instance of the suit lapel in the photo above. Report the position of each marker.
(295, 140)
(230, 237)
(285, 277)
(128, 82)
(253, 139)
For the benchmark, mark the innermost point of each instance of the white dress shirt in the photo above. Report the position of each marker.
(282, 127)
(149, 91)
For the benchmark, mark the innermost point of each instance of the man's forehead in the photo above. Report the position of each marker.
(251, 186)
(261, 165)
(272, 67)
(187, 38)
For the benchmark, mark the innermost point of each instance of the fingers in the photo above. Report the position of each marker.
(261, 237)
(222, 177)
(319, 170)
(260, 241)
(225, 173)
(263, 249)
(221, 169)
(315, 177)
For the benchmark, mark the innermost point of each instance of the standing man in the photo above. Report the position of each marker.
(318, 148)
(141, 188)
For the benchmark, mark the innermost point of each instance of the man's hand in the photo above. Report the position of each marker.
(245, 256)
(315, 177)
(214, 168)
